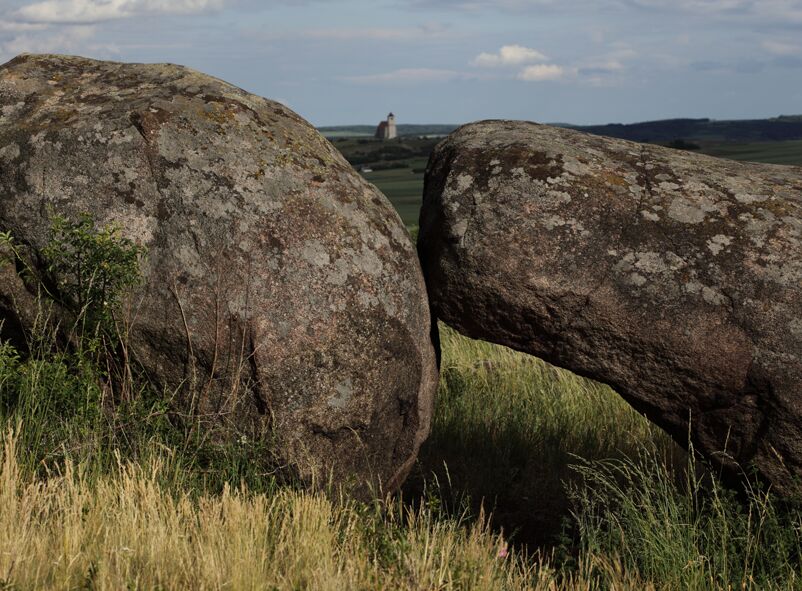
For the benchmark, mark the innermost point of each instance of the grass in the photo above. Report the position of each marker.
(788, 152)
(508, 427)
(126, 530)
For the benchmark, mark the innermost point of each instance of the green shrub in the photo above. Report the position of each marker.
(91, 269)
(77, 397)
(62, 391)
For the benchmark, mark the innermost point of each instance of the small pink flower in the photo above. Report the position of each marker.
(503, 552)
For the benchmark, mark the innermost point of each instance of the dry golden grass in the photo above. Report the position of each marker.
(507, 430)
(123, 531)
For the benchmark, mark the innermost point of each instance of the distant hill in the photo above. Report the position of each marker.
(782, 128)
(787, 127)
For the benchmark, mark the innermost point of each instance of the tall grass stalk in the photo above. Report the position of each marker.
(690, 534)
(507, 427)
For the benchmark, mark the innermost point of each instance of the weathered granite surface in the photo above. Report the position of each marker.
(281, 290)
(674, 277)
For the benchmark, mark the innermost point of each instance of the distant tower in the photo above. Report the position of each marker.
(392, 132)
(387, 129)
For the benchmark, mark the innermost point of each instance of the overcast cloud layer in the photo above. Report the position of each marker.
(452, 61)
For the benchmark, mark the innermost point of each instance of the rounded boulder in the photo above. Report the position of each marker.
(282, 296)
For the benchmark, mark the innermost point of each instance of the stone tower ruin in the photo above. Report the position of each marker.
(387, 129)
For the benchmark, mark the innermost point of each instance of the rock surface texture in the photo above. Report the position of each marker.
(282, 292)
(674, 277)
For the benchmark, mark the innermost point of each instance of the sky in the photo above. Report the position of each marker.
(340, 62)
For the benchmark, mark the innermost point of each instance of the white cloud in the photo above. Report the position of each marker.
(542, 72)
(509, 55)
(407, 76)
(606, 66)
(91, 11)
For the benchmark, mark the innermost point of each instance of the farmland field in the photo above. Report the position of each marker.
(770, 152)
(403, 187)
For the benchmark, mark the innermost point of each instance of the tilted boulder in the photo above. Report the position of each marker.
(674, 277)
(282, 293)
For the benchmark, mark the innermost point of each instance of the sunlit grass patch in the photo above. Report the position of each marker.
(508, 426)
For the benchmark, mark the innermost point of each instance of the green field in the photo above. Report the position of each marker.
(769, 152)
(403, 187)
(347, 133)
(396, 168)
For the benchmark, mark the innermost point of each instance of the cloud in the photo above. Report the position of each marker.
(706, 6)
(542, 72)
(608, 63)
(17, 27)
(92, 11)
(601, 68)
(375, 33)
(407, 76)
(71, 26)
(509, 55)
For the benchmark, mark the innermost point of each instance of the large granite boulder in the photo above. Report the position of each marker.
(282, 294)
(674, 277)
